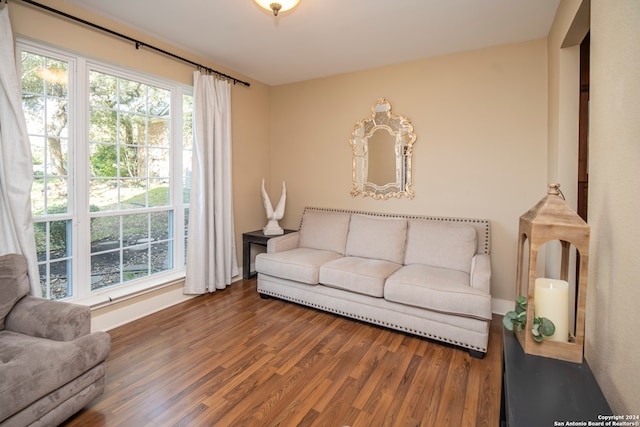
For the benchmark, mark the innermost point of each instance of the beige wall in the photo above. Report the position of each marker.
(613, 341)
(250, 110)
(481, 123)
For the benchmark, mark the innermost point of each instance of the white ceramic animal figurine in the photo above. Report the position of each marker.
(272, 228)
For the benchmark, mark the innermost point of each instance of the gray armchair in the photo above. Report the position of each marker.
(51, 365)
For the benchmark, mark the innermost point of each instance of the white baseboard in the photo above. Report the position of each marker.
(501, 306)
(118, 314)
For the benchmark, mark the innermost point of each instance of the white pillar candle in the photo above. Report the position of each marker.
(551, 300)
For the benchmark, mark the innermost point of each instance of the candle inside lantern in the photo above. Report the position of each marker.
(551, 300)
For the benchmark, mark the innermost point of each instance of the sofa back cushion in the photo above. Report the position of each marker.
(14, 283)
(377, 238)
(324, 230)
(440, 244)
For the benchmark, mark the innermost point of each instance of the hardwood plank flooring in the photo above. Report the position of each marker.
(233, 359)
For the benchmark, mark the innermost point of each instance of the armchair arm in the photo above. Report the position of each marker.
(283, 243)
(56, 320)
(481, 272)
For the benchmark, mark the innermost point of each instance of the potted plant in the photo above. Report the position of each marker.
(542, 327)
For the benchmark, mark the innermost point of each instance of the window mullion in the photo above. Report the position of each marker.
(176, 177)
(82, 239)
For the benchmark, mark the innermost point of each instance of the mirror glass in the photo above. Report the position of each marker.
(382, 147)
(382, 158)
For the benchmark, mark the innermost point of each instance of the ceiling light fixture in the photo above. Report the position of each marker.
(277, 6)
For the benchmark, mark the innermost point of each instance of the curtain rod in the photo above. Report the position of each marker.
(138, 43)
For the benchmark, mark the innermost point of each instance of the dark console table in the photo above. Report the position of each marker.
(257, 238)
(539, 391)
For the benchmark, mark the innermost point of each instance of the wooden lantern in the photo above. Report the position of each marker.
(552, 219)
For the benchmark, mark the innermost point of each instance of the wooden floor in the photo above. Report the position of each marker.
(233, 359)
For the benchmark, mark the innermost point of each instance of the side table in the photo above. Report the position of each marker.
(257, 238)
(539, 391)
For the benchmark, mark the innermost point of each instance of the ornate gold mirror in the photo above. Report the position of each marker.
(382, 146)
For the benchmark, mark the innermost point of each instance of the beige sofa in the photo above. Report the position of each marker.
(427, 276)
(51, 366)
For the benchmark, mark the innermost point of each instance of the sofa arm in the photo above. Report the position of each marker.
(481, 272)
(283, 243)
(55, 320)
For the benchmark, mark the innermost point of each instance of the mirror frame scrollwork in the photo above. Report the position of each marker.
(401, 129)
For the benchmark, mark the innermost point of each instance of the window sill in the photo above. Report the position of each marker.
(106, 297)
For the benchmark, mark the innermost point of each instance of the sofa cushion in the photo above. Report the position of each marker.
(439, 289)
(14, 283)
(377, 238)
(324, 230)
(300, 264)
(31, 367)
(439, 244)
(361, 275)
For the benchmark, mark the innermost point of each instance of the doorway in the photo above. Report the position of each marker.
(583, 130)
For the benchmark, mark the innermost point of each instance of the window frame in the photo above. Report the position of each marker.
(78, 211)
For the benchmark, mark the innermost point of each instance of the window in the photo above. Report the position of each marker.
(46, 102)
(106, 199)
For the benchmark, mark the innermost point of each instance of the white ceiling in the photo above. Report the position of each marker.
(326, 37)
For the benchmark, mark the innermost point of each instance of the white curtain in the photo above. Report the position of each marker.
(211, 251)
(16, 169)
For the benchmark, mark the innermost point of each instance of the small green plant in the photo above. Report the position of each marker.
(542, 327)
